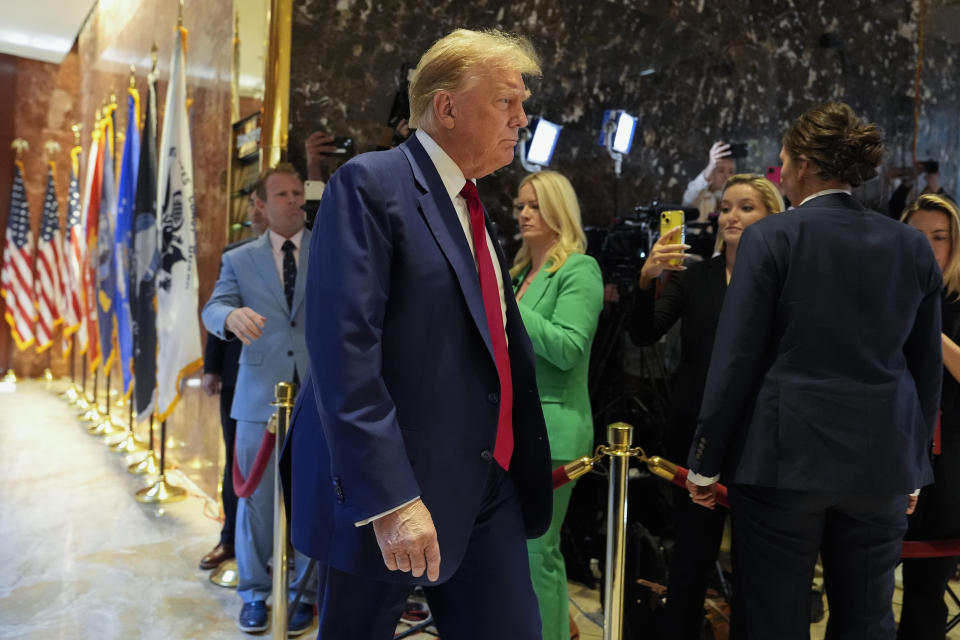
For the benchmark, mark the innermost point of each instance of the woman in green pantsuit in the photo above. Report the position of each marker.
(560, 295)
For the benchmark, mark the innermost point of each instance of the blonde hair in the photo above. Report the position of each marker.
(452, 63)
(770, 196)
(932, 202)
(561, 213)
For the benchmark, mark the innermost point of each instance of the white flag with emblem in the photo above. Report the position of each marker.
(178, 325)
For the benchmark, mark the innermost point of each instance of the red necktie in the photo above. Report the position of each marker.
(490, 290)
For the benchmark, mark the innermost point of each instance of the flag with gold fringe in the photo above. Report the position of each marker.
(16, 277)
(123, 235)
(73, 254)
(178, 323)
(105, 265)
(144, 261)
(89, 341)
(46, 282)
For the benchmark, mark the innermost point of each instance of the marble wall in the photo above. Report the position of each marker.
(50, 98)
(693, 71)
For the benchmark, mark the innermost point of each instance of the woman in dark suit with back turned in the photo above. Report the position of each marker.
(822, 391)
(560, 293)
(694, 296)
(923, 615)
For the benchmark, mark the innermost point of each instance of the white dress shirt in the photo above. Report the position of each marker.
(276, 245)
(453, 181)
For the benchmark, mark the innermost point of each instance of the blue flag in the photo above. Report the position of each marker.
(123, 236)
(106, 266)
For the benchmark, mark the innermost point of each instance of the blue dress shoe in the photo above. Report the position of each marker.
(301, 620)
(253, 617)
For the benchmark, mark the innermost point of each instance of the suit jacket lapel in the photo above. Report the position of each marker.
(442, 220)
(300, 286)
(266, 269)
(536, 290)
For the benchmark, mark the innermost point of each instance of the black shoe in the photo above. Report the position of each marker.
(300, 621)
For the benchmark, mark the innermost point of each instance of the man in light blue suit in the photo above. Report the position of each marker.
(259, 299)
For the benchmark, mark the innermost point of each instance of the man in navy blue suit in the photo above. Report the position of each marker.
(823, 390)
(418, 449)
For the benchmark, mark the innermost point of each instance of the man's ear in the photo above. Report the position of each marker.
(444, 109)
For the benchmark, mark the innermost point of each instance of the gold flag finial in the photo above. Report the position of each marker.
(20, 145)
(133, 77)
(180, 14)
(113, 98)
(52, 147)
(76, 128)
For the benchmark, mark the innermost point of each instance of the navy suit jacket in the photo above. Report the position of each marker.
(403, 395)
(826, 368)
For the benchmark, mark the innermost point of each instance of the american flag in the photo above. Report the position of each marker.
(47, 283)
(73, 252)
(16, 281)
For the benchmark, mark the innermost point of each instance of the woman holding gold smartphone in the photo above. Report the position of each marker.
(559, 292)
(694, 295)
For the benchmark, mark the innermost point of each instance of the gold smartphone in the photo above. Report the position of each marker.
(670, 220)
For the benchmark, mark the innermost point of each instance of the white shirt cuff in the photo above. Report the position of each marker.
(915, 493)
(385, 513)
(702, 481)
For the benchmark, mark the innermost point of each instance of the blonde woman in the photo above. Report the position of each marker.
(937, 515)
(695, 296)
(560, 293)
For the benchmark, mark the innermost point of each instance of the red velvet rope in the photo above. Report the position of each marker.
(561, 478)
(244, 487)
(930, 548)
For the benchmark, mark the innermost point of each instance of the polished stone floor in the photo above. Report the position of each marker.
(82, 559)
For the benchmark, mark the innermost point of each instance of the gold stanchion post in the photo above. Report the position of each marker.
(284, 404)
(619, 435)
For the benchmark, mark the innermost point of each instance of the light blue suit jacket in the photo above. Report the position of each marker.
(249, 278)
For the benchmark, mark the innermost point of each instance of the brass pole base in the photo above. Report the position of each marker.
(10, 377)
(71, 395)
(225, 575)
(127, 444)
(47, 375)
(90, 415)
(104, 428)
(161, 492)
(81, 403)
(147, 466)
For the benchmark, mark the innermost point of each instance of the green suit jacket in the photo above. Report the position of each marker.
(560, 312)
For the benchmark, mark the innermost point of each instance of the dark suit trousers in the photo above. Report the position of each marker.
(699, 532)
(777, 534)
(924, 612)
(229, 427)
(489, 596)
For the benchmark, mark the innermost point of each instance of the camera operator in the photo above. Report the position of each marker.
(318, 147)
(704, 191)
(929, 169)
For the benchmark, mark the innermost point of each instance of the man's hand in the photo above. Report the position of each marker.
(211, 384)
(912, 504)
(316, 147)
(408, 540)
(717, 151)
(703, 496)
(246, 324)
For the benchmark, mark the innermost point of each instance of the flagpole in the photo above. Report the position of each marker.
(105, 427)
(19, 145)
(162, 491)
(148, 465)
(92, 414)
